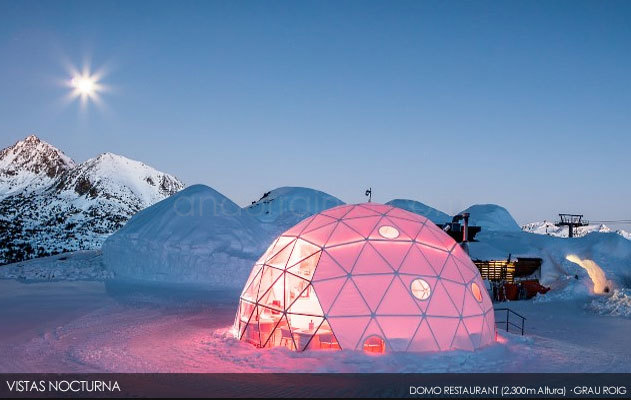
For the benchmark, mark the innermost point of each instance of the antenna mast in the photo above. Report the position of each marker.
(369, 194)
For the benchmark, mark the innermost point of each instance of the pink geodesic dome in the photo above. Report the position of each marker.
(365, 276)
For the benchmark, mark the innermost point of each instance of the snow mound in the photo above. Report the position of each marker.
(617, 305)
(491, 217)
(284, 207)
(197, 235)
(434, 215)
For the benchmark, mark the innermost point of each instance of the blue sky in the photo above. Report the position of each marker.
(520, 103)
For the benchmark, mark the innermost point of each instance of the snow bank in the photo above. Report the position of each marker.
(617, 305)
(197, 235)
(84, 265)
(284, 207)
(491, 217)
(434, 215)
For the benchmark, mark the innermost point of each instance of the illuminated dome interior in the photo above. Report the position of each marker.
(365, 277)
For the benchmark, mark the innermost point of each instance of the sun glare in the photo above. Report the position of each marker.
(85, 86)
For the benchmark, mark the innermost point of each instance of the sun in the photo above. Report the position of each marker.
(85, 86)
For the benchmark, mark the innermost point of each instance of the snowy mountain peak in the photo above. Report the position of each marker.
(119, 177)
(48, 204)
(31, 163)
(550, 229)
(31, 139)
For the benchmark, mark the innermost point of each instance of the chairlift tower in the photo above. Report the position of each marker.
(571, 221)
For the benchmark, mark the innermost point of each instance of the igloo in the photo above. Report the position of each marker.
(365, 277)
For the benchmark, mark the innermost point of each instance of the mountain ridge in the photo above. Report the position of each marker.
(49, 204)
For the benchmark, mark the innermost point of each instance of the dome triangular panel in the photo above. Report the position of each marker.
(372, 288)
(328, 268)
(349, 302)
(346, 255)
(398, 301)
(371, 262)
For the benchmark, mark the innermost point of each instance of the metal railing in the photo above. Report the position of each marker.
(508, 323)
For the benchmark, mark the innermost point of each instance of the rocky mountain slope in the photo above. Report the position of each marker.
(49, 204)
(30, 164)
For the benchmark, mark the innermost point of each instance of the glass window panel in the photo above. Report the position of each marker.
(301, 251)
(324, 339)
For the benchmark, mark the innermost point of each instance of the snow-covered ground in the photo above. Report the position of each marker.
(113, 327)
(104, 325)
(77, 266)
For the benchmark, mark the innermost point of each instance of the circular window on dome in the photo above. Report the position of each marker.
(477, 293)
(389, 232)
(420, 289)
